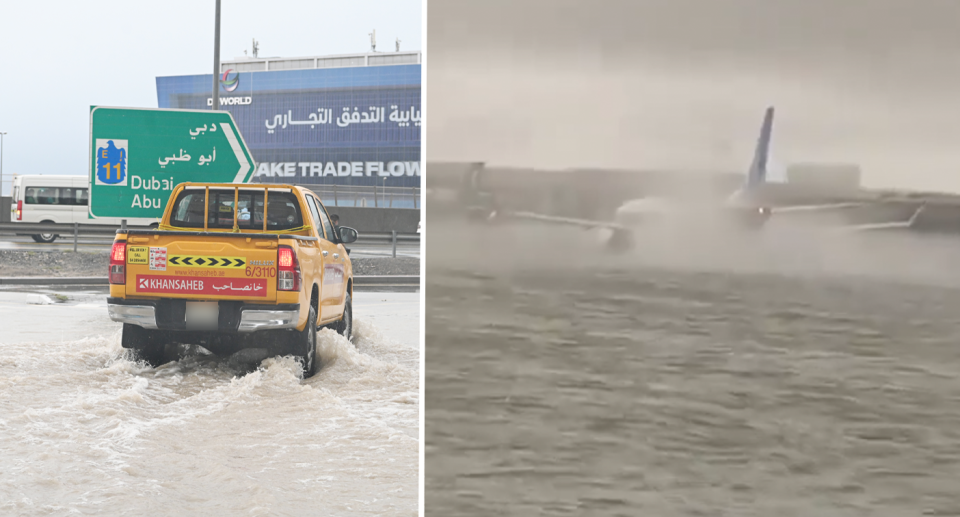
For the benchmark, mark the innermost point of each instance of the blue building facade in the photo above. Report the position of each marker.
(348, 121)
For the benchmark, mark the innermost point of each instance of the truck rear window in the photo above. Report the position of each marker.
(283, 210)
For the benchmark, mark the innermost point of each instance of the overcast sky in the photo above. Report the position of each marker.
(661, 83)
(59, 58)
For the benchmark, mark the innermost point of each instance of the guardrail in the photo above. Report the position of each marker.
(62, 228)
(77, 229)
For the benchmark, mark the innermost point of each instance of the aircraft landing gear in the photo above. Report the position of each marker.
(755, 219)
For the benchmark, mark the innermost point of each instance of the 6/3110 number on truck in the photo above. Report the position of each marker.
(261, 271)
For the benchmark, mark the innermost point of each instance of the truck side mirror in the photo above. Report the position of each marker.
(347, 234)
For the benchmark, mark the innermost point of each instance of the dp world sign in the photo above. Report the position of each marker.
(138, 155)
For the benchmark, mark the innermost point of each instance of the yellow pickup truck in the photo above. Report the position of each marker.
(233, 267)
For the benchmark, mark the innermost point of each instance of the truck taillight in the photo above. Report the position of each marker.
(20, 210)
(288, 269)
(118, 259)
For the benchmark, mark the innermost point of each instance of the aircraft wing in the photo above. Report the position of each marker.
(569, 221)
(876, 226)
(813, 208)
(895, 225)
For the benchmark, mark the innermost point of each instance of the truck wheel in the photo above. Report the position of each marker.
(141, 345)
(307, 346)
(345, 326)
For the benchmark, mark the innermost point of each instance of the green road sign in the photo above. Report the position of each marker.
(138, 155)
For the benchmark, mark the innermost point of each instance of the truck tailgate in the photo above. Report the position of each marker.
(226, 266)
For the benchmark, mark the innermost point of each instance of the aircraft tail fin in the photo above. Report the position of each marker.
(757, 175)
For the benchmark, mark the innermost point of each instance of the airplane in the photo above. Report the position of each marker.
(746, 207)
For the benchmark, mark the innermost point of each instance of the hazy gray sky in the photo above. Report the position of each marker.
(59, 58)
(661, 83)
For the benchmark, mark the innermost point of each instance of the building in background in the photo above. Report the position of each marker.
(825, 178)
(347, 126)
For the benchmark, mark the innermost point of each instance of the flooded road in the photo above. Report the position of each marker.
(774, 374)
(85, 431)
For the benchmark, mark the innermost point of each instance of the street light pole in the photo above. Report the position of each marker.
(216, 61)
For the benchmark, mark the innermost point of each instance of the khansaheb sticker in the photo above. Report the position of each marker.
(202, 285)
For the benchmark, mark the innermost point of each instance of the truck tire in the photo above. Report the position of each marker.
(307, 345)
(142, 346)
(344, 327)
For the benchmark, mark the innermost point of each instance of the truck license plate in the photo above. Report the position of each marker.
(202, 315)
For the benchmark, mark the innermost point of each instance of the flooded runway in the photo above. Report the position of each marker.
(85, 431)
(775, 374)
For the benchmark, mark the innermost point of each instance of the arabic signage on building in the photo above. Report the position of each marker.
(139, 155)
(346, 126)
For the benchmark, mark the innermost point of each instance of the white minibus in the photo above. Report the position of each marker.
(57, 199)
